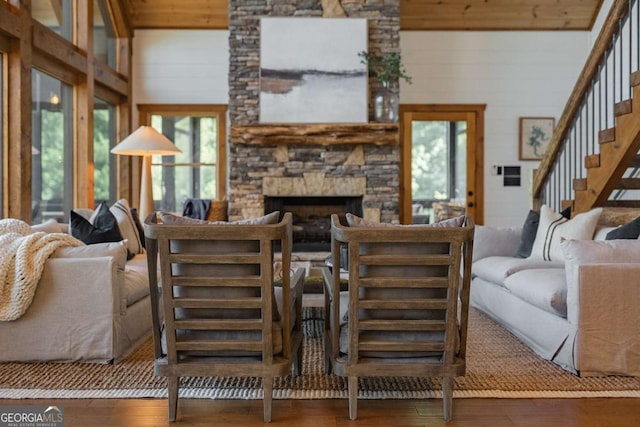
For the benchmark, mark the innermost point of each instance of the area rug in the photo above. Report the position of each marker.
(499, 366)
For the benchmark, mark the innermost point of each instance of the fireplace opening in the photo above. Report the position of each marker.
(312, 217)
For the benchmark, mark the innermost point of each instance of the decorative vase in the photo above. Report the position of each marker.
(385, 104)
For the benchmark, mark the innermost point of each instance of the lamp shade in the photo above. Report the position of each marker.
(146, 141)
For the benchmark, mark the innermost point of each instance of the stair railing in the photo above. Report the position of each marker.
(589, 113)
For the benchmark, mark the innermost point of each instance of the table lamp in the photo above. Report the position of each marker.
(146, 141)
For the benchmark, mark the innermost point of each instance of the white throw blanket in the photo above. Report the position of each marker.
(23, 254)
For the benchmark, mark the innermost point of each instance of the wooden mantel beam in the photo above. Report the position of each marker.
(317, 134)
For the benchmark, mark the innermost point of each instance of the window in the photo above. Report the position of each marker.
(104, 139)
(56, 15)
(199, 171)
(2, 147)
(438, 170)
(104, 37)
(52, 166)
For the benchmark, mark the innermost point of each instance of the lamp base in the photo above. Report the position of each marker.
(146, 189)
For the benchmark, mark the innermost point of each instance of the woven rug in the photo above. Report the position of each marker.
(499, 366)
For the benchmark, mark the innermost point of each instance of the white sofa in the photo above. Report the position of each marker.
(91, 305)
(583, 314)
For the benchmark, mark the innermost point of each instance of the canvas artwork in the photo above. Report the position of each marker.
(310, 71)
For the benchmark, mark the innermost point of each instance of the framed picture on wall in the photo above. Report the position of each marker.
(535, 135)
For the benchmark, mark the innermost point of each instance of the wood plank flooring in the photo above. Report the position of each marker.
(334, 413)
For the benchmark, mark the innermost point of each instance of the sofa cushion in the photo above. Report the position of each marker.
(356, 221)
(545, 288)
(136, 280)
(118, 250)
(554, 227)
(578, 252)
(496, 269)
(168, 218)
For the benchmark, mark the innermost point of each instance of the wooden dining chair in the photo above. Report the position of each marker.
(216, 310)
(406, 310)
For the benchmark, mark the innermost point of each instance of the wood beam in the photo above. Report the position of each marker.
(120, 17)
(322, 134)
(19, 118)
(51, 44)
(84, 176)
(10, 23)
(128, 188)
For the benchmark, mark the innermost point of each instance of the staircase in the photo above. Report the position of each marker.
(592, 159)
(618, 149)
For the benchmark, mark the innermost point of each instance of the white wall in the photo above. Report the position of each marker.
(517, 74)
(180, 67)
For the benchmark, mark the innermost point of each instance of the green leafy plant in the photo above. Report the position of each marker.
(386, 68)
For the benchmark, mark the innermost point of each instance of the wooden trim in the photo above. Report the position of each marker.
(473, 114)
(120, 18)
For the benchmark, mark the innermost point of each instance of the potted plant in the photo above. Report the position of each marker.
(388, 69)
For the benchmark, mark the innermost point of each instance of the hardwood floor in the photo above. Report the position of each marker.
(321, 413)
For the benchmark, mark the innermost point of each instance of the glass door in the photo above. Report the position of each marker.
(441, 166)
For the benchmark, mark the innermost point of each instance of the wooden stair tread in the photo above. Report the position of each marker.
(622, 107)
(607, 135)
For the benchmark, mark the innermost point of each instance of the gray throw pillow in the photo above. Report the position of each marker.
(630, 230)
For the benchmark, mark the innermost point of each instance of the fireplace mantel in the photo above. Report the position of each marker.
(316, 134)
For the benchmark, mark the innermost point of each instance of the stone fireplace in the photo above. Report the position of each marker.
(312, 217)
(307, 161)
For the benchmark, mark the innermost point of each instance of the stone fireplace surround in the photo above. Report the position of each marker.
(307, 160)
(367, 171)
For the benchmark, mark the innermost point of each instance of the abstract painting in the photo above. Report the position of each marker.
(310, 71)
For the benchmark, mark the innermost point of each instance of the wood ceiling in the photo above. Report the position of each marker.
(418, 15)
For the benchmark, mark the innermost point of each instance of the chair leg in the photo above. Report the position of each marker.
(172, 388)
(353, 398)
(447, 397)
(267, 390)
(297, 364)
(327, 352)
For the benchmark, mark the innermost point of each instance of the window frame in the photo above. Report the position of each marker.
(219, 111)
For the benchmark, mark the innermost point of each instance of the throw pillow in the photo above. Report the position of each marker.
(167, 218)
(630, 230)
(554, 227)
(356, 221)
(126, 225)
(104, 228)
(529, 230)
